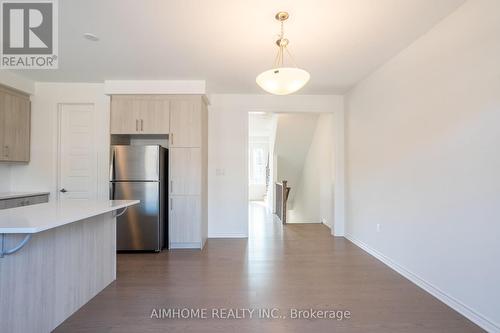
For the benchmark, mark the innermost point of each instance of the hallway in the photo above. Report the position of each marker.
(297, 266)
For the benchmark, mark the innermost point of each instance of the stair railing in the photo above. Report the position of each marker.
(282, 192)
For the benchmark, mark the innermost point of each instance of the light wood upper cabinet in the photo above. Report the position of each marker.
(15, 109)
(185, 123)
(136, 114)
(155, 117)
(124, 118)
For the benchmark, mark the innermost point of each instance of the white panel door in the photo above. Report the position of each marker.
(77, 152)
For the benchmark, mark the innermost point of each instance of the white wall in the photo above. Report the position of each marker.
(41, 172)
(228, 144)
(314, 195)
(423, 161)
(227, 169)
(294, 132)
(4, 178)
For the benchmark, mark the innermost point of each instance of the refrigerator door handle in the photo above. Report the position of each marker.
(112, 166)
(112, 191)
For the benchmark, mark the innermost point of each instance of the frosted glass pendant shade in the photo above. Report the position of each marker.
(283, 80)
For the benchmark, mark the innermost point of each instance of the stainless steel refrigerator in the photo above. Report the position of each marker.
(140, 173)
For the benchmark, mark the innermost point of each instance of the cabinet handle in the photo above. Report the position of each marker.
(137, 125)
(172, 139)
(142, 125)
(171, 186)
(6, 151)
(171, 204)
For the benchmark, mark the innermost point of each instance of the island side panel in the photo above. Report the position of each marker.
(56, 273)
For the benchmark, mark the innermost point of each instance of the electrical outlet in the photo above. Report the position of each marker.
(378, 227)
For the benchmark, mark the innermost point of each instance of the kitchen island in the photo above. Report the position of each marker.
(54, 257)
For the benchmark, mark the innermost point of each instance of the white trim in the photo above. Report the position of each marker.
(194, 246)
(279, 104)
(194, 87)
(339, 170)
(223, 235)
(267, 103)
(449, 300)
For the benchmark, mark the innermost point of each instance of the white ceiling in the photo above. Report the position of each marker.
(228, 42)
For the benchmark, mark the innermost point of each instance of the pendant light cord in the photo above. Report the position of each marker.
(282, 47)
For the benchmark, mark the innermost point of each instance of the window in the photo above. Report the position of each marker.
(258, 162)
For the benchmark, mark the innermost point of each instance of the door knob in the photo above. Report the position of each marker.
(63, 190)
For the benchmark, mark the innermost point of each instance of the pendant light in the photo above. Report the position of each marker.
(282, 80)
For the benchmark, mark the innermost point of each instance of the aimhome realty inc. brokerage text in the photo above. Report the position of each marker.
(249, 313)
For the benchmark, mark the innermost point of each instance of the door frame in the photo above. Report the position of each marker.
(332, 104)
(59, 141)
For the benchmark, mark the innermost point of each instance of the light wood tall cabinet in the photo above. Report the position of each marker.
(15, 121)
(185, 171)
(188, 158)
(184, 120)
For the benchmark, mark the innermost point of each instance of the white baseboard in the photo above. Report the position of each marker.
(195, 246)
(455, 304)
(222, 235)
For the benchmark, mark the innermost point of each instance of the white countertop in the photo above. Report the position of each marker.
(14, 195)
(36, 218)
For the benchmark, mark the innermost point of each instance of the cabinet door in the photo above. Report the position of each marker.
(185, 221)
(154, 116)
(2, 126)
(185, 123)
(185, 171)
(124, 117)
(16, 128)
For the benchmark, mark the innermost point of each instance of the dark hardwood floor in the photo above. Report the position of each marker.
(296, 266)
